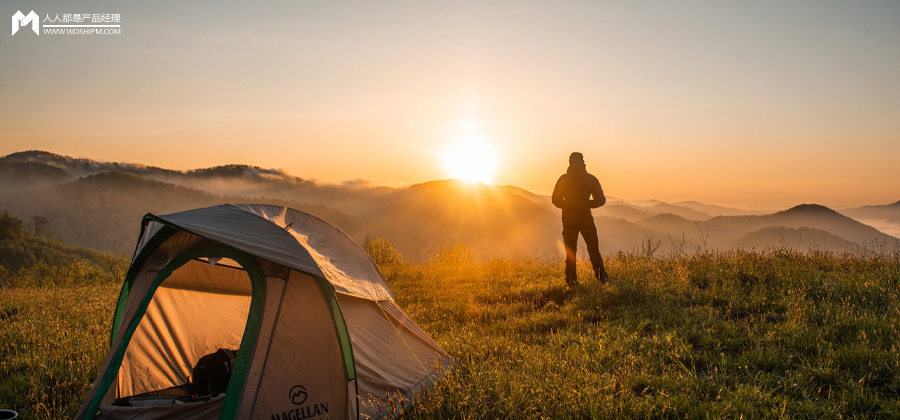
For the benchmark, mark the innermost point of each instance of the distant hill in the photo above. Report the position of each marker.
(246, 172)
(637, 203)
(801, 224)
(824, 218)
(543, 200)
(712, 209)
(887, 212)
(632, 212)
(623, 211)
(684, 212)
(26, 175)
(669, 223)
(103, 211)
(226, 180)
(78, 167)
(802, 239)
(805, 215)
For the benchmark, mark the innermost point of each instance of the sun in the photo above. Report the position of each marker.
(471, 159)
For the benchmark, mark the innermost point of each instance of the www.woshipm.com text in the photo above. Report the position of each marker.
(82, 31)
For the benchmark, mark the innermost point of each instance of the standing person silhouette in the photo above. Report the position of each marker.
(576, 193)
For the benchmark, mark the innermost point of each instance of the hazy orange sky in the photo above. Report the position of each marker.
(762, 103)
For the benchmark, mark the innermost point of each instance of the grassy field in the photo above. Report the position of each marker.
(52, 342)
(774, 334)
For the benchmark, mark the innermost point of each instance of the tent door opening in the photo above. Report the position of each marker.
(186, 345)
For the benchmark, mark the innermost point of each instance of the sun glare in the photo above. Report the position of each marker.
(471, 159)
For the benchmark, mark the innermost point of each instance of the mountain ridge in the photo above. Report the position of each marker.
(494, 220)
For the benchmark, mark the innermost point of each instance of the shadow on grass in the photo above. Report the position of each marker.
(620, 299)
(554, 296)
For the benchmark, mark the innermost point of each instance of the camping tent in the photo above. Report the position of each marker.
(312, 320)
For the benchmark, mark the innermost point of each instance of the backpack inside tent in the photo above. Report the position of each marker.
(256, 312)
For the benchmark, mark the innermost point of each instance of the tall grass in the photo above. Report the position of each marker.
(772, 334)
(52, 342)
(54, 333)
(737, 334)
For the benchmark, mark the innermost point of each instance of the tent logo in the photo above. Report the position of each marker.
(298, 397)
(298, 394)
(19, 20)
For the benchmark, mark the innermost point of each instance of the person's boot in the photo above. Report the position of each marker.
(571, 280)
(600, 274)
(571, 274)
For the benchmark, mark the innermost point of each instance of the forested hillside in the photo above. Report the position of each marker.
(21, 247)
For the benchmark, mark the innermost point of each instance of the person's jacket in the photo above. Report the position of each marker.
(576, 193)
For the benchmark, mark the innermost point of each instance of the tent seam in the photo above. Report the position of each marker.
(406, 344)
(269, 345)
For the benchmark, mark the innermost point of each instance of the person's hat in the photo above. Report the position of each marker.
(576, 157)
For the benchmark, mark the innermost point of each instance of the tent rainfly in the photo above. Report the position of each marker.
(308, 320)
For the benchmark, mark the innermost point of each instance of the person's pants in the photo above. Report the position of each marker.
(570, 240)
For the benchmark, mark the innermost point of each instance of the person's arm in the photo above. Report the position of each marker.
(557, 198)
(598, 199)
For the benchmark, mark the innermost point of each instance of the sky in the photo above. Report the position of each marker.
(745, 103)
